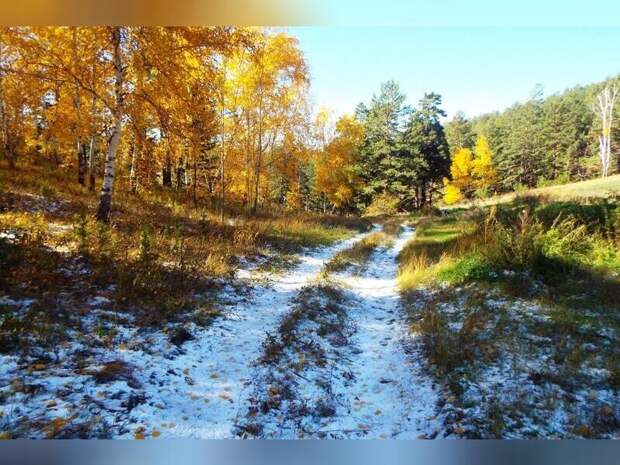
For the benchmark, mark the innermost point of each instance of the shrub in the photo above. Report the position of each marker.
(145, 248)
(81, 230)
(512, 246)
(383, 204)
(472, 266)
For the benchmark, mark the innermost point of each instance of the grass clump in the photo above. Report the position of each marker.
(358, 254)
(517, 240)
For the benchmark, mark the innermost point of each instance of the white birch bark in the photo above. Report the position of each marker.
(105, 197)
(604, 108)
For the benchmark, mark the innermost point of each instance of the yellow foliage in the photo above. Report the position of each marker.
(461, 168)
(482, 167)
(335, 176)
(451, 194)
(470, 172)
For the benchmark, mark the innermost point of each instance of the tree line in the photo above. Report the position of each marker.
(543, 141)
(221, 115)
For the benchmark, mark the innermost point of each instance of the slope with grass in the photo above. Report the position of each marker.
(517, 309)
(600, 187)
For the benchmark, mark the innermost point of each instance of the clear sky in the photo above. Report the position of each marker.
(476, 69)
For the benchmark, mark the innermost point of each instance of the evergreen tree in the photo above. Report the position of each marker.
(459, 133)
(425, 160)
(383, 122)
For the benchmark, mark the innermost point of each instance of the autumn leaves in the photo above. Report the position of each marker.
(211, 111)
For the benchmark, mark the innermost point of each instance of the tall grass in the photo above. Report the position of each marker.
(518, 238)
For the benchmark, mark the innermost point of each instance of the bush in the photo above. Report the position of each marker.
(529, 243)
(471, 267)
(512, 246)
(383, 204)
(598, 216)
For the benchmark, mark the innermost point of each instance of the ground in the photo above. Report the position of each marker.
(204, 382)
(308, 327)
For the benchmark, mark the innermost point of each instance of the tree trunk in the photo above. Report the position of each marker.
(195, 175)
(92, 156)
(248, 160)
(10, 156)
(180, 174)
(166, 173)
(604, 107)
(105, 197)
(222, 160)
(77, 127)
(133, 177)
(81, 160)
(92, 161)
(260, 154)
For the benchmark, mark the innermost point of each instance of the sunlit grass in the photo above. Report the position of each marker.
(358, 254)
(433, 249)
(600, 187)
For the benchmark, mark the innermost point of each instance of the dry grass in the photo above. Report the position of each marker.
(358, 254)
(601, 187)
(159, 251)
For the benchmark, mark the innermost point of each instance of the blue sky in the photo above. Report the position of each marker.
(475, 69)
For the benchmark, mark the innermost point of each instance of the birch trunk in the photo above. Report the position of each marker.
(105, 197)
(260, 152)
(92, 159)
(133, 178)
(222, 160)
(604, 108)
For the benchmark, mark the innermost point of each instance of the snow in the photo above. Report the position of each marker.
(394, 397)
(371, 385)
(375, 382)
(202, 387)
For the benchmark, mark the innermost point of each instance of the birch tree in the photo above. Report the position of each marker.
(105, 197)
(604, 107)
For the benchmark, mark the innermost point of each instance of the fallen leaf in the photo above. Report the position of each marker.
(155, 434)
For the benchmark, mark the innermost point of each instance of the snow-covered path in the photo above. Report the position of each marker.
(368, 379)
(390, 395)
(197, 394)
